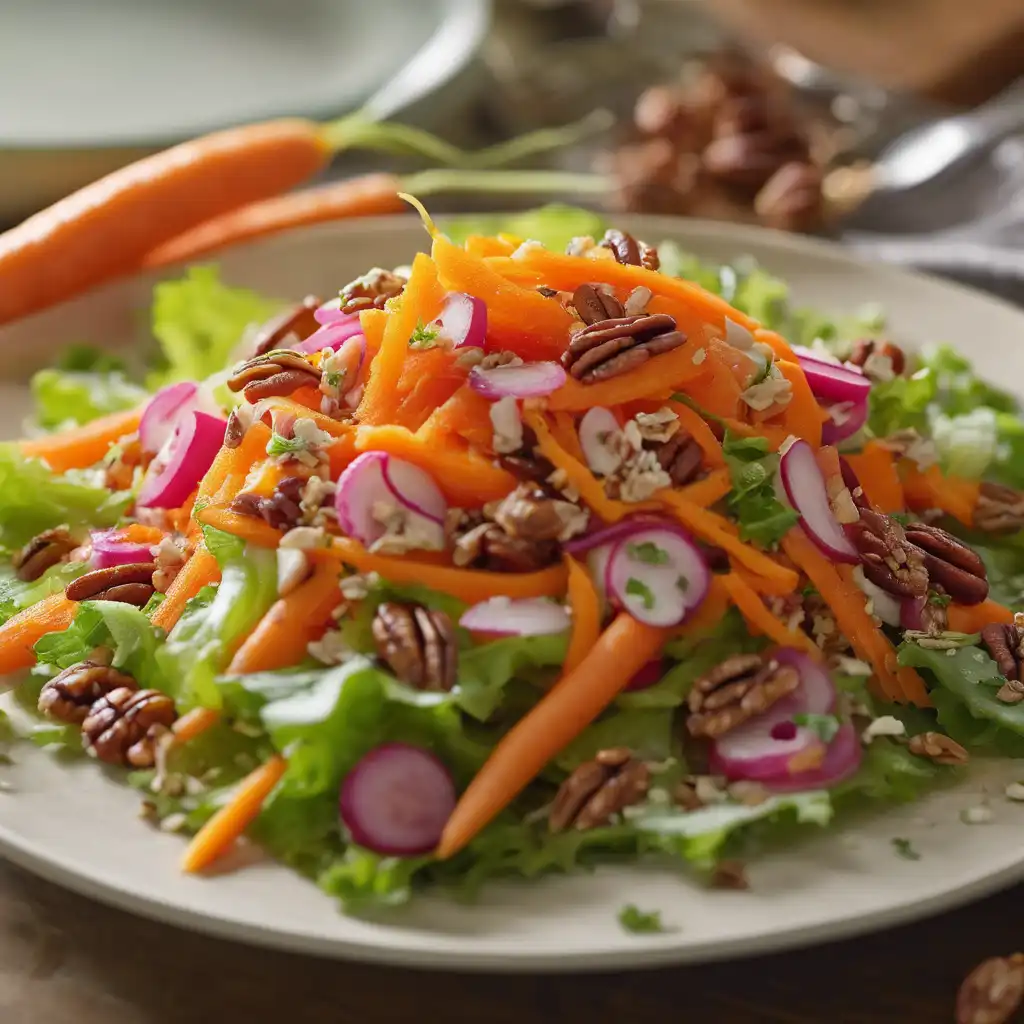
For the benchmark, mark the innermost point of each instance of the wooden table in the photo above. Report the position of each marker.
(66, 960)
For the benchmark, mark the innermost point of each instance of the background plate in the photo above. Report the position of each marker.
(76, 825)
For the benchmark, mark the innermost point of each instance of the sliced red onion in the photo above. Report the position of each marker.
(330, 313)
(833, 382)
(397, 800)
(331, 336)
(883, 605)
(162, 413)
(804, 487)
(529, 380)
(376, 483)
(658, 575)
(501, 616)
(109, 548)
(648, 676)
(912, 613)
(845, 419)
(463, 320)
(183, 461)
(596, 427)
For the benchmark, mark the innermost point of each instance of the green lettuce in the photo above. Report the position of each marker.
(753, 468)
(554, 226)
(1004, 561)
(65, 398)
(17, 595)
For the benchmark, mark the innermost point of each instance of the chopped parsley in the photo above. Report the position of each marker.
(752, 500)
(278, 445)
(905, 849)
(941, 600)
(640, 922)
(424, 336)
(824, 727)
(648, 552)
(637, 588)
(333, 378)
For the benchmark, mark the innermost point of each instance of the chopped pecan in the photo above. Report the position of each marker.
(282, 510)
(529, 513)
(889, 560)
(791, 199)
(999, 509)
(950, 563)
(615, 346)
(681, 457)
(630, 250)
(881, 361)
(739, 688)
(298, 321)
(593, 304)
(274, 373)
(70, 694)
(487, 546)
(371, 291)
(131, 584)
(234, 432)
(1005, 642)
(993, 992)
(418, 644)
(124, 726)
(43, 552)
(598, 789)
(938, 747)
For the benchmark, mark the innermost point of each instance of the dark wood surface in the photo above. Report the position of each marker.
(66, 960)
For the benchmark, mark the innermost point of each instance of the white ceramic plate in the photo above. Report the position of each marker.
(76, 825)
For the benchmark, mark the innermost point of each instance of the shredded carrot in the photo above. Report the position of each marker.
(292, 623)
(933, 489)
(467, 415)
(974, 618)
(775, 587)
(709, 613)
(561, 715)
(136, 533)
(563, 429)
(219, 834)
(704, 493)
(760, 619)
(875, 469)
(201, 570)
(802, 416)
(84, 446)
(251, 530)
(429, 378)
(194, 723)
(692, 422)
(585, 604)
(180, 519)
(21, 632)
(486, 245)
(777, 343)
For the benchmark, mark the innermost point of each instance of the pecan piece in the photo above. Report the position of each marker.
(371, 291)
(993, 992)
(881, 361)
(999, 509)
(593, 304)
(791, 199)
(418, 645)
(70, 694)
(298, 321)
(938, 747)
(124, 726)
(234, 432)
(528, 513)
(681, 457)
(488, 546)
(1005, 642)
(43, 552)
(615, 346)
(950, 563)
(630, 250)
(888, 559)
(101, 584)
(598, 789)
(276, 373)
(739, 688)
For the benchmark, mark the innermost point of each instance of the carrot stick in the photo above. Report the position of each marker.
(251, 530)
(715, 486)
(710, 611)
(692, 422)
(84, 446)
(974, 618)
(201, 570)
(365, 196)
(194, 723)
(20, 633)
(802, 416)
(876, 471)
(136, 533)
(562, 714)
(283, 634)
(586, 613)
(219, 834)
(931, 488)
(761, 620)
(563, 430)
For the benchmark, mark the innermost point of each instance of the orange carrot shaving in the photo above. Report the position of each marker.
(560, 716)
(467, 415)
(767, 587)
(876, 471)
(802, 416)
(777, 343)
(136, 533)
(180, 519)
(21, 632)
(194, 723)
(251, 530)
(84, 446)
(974, 618)
(692, 422)
(219, 834)
(933, 489)
(486, 245)
(586, 614)
(760, 619)
(201, 570)
(563, 429)
(715, 486)
(710, 612)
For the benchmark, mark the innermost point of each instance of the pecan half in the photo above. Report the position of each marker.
(418, 644)
(630, 250)
(681, 457)
(43, 552)
(1005, 642)
(282, 510)
(950, 563)
(597, 789)
(999, 509)
(939, 748)
(123, 726)
(739, 688)
(881, 361)
(298, 321)
(70, 694)
(615, 346)
(529, 513)
(993, 992)
(888, 559)
(593, 304)
(126, 583)
(371, 291)
(276, 373)
(791, 199)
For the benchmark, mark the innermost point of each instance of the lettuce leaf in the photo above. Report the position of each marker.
(65, 398)
(554, 226)
(752, 500)
(17, 595)
(647, 732)
(1004, 560)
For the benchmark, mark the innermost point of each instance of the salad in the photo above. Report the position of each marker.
(550, 549)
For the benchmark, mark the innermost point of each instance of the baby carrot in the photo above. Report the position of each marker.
(194, 723)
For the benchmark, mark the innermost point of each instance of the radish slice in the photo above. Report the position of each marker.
(463, 320)
(330, 313)
(163, 412)
(182, 462)
(530, 380)
(109, 548)
(597, 562)
(501, 616)
(397, 800)
(375, 487)
(805, 489)
(912, 613)
(817, 693)
(605, 535)
(658, 575)
(833, 382)
(647, 677)
(842, 759)
(596, 428)
(883, 605)
(845, 419)
(331, 336)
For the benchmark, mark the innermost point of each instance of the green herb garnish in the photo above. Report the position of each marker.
(905, 849)
(640, 922)
(637, 588)
(824, 727)
(648, 552)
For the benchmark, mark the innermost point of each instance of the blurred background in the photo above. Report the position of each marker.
(895, 127)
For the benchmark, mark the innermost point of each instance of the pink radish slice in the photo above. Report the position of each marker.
(330, 336)
(833, 382)
(531, 380)
(842, 759)
(500, 616)
(844, 421)
(375, 481)
(658, 575)
(183, 461)
(605, 535)
(912, 613)
(396, 800)
(648, 676)
(805, 489)
(463, 320)
(596, 427)
(162, 413)
(109, 548)
(817, 693)
(330, 313)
